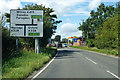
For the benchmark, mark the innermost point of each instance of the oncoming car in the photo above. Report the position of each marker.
(64, 45)
(59, 45)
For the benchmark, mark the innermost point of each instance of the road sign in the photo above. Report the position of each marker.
(75, 39)
(26, 23)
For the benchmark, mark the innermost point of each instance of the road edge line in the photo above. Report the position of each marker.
(44, 67)
(112, 74)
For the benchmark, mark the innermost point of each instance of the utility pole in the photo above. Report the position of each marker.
(68, 42)
(82, 40)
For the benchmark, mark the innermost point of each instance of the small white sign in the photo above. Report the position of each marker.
(26, 23)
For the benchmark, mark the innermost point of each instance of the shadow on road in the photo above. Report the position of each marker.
(66, 54)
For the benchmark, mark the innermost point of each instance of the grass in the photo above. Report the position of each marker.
(105, 51)
(20, 67)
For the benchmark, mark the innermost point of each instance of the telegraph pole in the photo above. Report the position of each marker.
(68, 42)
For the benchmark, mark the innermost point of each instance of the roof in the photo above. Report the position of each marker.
(81, 37)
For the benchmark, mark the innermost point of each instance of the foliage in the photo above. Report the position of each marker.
(108, 37)
(105, 51)
(8, 43)
(49, 24)
(64, 40)
(21, 66)
(57, 38)
(49, 27)
(90, 43)
(93, 29)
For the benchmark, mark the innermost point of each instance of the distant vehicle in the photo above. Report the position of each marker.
(64, 45)
(54, 45)
(60, 45)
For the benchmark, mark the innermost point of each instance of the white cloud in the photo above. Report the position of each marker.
(69, 27)
(67, 30)
(110, 0)
(5, 6)
(61, 7)
(62, 1)
(79, 11)
(94, 4)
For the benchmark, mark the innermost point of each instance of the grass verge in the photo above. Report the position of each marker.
(20, 67)
(105, 51)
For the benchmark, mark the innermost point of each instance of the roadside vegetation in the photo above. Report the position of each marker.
(24, 62)
(19, 64)
(104, 51)
(101, 29)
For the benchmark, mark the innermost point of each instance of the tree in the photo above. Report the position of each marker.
(57, 38)
(9, 43)
(64, 40)
(94, 24)
(109, 34)
(49, 26)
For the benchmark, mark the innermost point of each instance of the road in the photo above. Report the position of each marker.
(76, 63)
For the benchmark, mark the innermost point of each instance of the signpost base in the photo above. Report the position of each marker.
(37, 46)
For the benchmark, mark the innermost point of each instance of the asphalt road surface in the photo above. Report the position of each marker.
(76, 63)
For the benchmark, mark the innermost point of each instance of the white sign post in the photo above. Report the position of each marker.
(27, 23)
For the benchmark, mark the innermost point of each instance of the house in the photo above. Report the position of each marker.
(80, 41)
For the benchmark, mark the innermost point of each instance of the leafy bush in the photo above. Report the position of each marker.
(99, 43)
(8, 43)
(108, 37)
(90, 43)
(105, 51)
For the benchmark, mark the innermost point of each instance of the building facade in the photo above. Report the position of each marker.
(80, 41)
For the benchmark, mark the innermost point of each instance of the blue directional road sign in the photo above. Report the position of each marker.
(75, 39)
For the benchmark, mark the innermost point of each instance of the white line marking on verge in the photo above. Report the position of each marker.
(44, 68)
(91, 60)
(113, 74)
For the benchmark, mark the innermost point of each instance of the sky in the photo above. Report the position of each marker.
(71, 12)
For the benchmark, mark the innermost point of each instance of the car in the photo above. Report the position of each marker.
(60, 45)
(54, 45)
(50, 45)
(64, 45)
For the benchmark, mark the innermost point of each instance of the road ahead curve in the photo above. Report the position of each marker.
(76, 63)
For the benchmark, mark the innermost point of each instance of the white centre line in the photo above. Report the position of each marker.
(113, 74)
(91, 60)
(44, 68)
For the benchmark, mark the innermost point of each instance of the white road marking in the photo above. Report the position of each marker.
(91, 60)
(113, 74)
(44, 67)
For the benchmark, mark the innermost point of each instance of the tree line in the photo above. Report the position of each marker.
(101, 28)
(49, 27)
